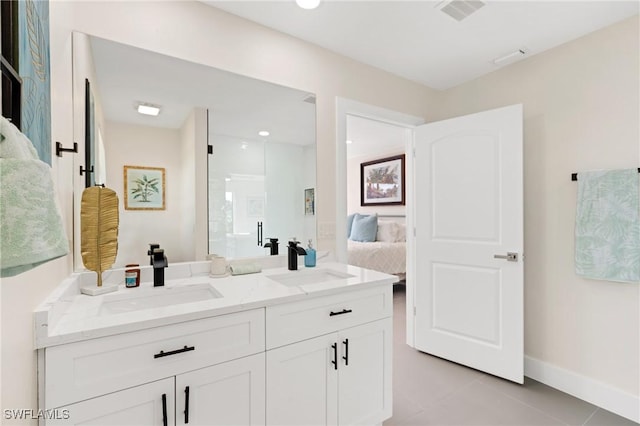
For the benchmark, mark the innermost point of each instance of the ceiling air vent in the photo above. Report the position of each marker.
(310, 99)
(459, 9)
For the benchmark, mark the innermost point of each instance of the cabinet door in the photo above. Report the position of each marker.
(302, 383)
(149, 404)
(365, 386)
(231, 393)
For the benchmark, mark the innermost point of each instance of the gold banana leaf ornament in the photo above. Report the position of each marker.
(99, 220)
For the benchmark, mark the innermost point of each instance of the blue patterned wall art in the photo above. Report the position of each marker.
(33, 67)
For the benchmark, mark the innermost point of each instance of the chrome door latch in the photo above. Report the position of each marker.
(510, 256)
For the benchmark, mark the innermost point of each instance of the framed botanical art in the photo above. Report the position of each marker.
(382, 182)
(144, 188)
(255, 206)
(309, 202)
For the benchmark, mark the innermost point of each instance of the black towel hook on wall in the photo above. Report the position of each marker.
(83, 170)
(60, 149)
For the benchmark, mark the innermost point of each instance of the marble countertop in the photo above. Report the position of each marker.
(69, 316)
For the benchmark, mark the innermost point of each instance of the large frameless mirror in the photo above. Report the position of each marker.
(227, 187)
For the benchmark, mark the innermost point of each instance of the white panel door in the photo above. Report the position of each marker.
(468, 209)
(231, 393)
(149, 404)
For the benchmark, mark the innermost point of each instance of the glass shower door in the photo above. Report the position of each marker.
(236, 198)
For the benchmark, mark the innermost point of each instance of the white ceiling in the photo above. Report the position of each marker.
(411, 39)
(415, 40)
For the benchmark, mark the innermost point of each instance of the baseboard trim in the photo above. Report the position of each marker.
(612, 399)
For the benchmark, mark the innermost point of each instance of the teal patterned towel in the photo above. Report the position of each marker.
(608, 225)
(31, 230)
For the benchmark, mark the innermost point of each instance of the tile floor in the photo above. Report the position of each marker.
(431, 391)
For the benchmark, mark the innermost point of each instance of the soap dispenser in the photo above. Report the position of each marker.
(310, 258)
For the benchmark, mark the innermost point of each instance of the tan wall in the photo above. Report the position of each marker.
(580, 113)
(161, 148)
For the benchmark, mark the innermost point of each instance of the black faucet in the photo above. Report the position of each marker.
(159, 262)
(273, 246)
(294, 251)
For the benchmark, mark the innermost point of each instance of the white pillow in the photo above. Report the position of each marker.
(401, 234)
(387, 231)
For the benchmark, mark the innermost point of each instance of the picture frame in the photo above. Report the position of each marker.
(382, 182)
(144, 188)
(255, 206)
(309, 202)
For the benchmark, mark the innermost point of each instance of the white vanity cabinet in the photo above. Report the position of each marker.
(231, 393)
(265, 353)
(329, 360)
(131, 378)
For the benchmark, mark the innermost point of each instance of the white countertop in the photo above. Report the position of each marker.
(69, 316)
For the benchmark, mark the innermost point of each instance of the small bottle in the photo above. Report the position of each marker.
(310, 257)
(132, 275)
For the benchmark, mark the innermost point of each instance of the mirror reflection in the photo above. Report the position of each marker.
(229, 186)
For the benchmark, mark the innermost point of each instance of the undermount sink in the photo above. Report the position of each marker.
(155, 297)
(314, 276)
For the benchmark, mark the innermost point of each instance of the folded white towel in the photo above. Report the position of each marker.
(242, 268)
(31, 229)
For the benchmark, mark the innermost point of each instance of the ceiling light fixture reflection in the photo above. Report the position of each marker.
(308, 4)
(244, 145)
(148, 109)
(263, 133)
(349, 142)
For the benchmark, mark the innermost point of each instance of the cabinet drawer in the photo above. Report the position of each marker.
(82, 370)
(292, 322)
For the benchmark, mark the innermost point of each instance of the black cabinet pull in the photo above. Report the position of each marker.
(186, 404)
(345, 342)
(335, 356)
(344, 311)
(164, 409)
(260, 234)
(177, 351)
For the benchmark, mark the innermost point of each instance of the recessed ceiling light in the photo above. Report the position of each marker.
(148, 109)
(263, 133)
(308, 4)
(349, 142)
(244, 145)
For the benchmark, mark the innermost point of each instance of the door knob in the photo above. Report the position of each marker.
(510, 256)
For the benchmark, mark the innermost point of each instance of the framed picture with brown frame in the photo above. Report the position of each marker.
(382, 182)
(144, 188)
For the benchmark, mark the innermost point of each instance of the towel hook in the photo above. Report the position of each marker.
(60, 149)
(83, 170)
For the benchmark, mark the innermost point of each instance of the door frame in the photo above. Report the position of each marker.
(345, 107)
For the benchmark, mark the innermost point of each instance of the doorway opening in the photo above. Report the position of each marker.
(349, 115)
